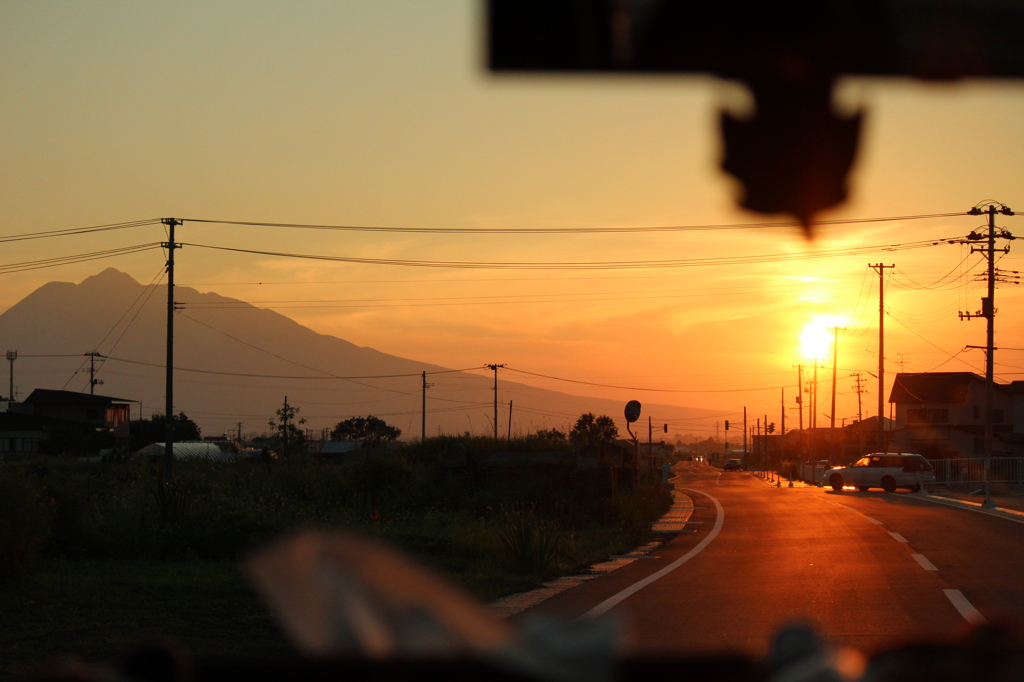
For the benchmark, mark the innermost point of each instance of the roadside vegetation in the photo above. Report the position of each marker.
(70, 527)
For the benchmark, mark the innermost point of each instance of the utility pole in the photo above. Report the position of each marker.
(745, 453)
(800, 393)
(495, 368)
(510, 421)
(650, 438)
(988, 311)
(423, 422)
(757, 449)
(782, 430)
(860, 389)
(832, 426)
(12, 355)
(170, 245)
(92, 372)
(883, 444)
(239, 434)
(767, 449)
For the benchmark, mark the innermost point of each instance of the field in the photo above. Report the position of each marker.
(93, 558)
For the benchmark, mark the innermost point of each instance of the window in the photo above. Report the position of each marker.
(862, 462)
(922, 415)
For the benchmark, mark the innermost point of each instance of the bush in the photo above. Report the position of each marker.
(466, 523)
(24, 524)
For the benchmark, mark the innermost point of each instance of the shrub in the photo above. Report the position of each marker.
(532, 543)
(24, 524)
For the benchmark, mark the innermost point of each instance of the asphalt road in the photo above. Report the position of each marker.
(869, 570)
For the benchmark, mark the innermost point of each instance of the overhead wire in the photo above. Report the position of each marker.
(566, 230)
(77, 230)
(75, 258)
(584, 265)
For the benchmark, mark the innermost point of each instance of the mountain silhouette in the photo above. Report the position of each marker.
(236, 362)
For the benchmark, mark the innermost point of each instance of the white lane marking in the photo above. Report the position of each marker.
(923, 560)
(874, 521)
(966, 609)
(897, 537)
(613, 601)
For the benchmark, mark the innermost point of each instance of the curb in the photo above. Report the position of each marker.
(668, 526)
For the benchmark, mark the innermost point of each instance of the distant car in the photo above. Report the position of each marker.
(733, 465)
(885, 470)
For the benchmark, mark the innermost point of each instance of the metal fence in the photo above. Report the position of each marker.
(972, 470)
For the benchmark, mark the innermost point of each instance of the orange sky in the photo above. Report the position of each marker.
(379, 113)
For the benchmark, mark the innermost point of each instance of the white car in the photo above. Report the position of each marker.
(885, 470)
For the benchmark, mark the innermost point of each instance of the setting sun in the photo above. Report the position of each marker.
(816, 338)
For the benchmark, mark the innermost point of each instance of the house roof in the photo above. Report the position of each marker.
(19, 421)
(930, 388)
(46, 396)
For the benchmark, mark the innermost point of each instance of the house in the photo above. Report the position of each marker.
(64, 423)
(941, 415)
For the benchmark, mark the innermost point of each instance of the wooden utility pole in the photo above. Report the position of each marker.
(92, 372)
(860, 389)
(832, 426)
(495, 368)
(883, 445)
(423, 414)
(814, 397)
(170, 245)
(12, 355)
(745, 453)
(988, 311)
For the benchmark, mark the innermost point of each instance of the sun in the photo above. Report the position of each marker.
(816, 338)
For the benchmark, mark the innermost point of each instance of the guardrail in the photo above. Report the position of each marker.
(972, 470)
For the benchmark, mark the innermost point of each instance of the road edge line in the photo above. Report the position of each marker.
(998, 513)
(964, 607)
(616, 599)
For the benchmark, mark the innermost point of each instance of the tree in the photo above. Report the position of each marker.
(287, 438)
(371, 430)
(593, 431)
(154, 430)
(553, 435)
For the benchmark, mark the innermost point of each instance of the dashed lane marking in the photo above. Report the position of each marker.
(613, 601)
(873, 520)
(897, 537)
(966, 609)
(923, 561)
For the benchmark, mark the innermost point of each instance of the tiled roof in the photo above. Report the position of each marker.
(930, 388)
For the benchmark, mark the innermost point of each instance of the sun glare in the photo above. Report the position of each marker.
(816, 338)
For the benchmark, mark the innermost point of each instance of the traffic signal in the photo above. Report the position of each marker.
(726, 424)
(771, 428)
(666, 428)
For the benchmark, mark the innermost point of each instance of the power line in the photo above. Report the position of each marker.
(567, 230)
(635, 388)
(589, 265)
(76, 258)
(77, 230)
(283, 376)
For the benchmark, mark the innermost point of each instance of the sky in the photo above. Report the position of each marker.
(381, 113)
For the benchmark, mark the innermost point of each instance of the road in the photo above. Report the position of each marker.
(870, 570)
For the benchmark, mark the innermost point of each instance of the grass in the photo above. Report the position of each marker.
(96, 609)
(115, 554)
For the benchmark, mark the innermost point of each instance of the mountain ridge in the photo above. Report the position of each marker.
(229, 355)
